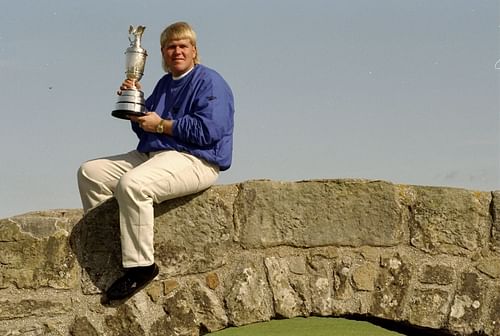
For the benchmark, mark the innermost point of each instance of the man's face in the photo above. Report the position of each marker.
(179, 56)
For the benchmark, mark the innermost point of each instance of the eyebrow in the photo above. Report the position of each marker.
(178, 44)
(180, 41)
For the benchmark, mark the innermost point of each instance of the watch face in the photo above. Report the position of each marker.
(159, 128)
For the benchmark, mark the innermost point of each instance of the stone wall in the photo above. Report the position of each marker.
(250, 252)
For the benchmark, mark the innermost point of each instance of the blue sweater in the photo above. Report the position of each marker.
(202, 108)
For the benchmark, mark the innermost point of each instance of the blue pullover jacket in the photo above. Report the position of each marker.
(202, 107)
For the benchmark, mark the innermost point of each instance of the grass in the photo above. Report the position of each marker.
(311, 326)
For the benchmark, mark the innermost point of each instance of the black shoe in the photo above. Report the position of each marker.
(133, 281)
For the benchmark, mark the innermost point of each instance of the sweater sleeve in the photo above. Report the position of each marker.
(209, 117)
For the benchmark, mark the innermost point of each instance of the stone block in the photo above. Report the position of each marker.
(437, 275)
(193, 233)
(124, 321)
(23, 308)
(428, 308)
(180, 315)
(364, 277)
(318, 213)
(490, 266)
(28, 329)
(342, 284)
(291, 292)
(154, 291)
(248, 298)
(391, 288)
(466, 310)
(450, 221)
(321, 295)
(82, 327)
(37, 254)
(321, 285)
(169, 286)
(209, 311)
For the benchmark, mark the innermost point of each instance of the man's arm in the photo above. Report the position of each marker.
(211, 116)
(151, 121)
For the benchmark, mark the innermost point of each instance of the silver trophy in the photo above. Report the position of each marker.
(131, 101)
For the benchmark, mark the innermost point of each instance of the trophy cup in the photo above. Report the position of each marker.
(131, 101)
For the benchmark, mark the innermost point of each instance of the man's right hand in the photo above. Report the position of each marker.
(129, 84)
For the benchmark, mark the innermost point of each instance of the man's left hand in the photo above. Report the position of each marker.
(148, 122)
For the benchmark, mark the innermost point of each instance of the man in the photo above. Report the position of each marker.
(184, 141)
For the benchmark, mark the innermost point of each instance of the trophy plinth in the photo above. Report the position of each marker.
(131, 101)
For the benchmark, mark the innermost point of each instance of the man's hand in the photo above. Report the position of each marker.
(148, 122)
(129, 84)
(151, 120)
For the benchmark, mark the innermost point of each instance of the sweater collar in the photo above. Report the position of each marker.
(183, 75)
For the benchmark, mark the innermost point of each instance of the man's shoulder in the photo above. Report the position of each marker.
(206, 73)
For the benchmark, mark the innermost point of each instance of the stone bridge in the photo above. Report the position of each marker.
(427, 257)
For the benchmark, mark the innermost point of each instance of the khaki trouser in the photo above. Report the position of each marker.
(138, 180)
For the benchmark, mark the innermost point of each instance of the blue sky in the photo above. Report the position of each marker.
(403, 91)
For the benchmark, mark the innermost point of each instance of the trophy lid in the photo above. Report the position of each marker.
(135, 35)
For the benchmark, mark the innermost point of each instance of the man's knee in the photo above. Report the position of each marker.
(87, 170)
(127, 186)
(83, 172)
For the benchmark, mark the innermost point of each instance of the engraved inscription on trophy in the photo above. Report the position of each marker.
(131, 101)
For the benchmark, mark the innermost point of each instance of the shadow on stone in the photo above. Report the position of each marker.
(169, 205)
(95, 241)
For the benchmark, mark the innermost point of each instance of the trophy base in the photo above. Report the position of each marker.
(130, 103)
(125, 114)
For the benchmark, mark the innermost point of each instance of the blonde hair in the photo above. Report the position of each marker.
(178, 31)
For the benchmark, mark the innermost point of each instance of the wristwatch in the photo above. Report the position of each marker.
(159, 127)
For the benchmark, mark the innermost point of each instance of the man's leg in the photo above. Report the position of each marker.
(97, 179)
(166, 175)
